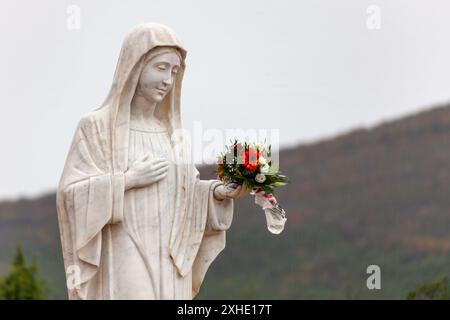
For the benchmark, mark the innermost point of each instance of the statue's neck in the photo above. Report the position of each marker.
(142, 112)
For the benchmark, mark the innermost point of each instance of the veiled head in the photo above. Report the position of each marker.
(159, 73)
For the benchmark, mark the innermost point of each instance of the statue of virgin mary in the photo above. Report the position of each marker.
(136, 221)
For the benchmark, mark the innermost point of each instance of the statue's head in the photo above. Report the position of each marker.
(159, 73)
(142, 44)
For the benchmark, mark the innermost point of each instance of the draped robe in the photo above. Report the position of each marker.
(141, 243)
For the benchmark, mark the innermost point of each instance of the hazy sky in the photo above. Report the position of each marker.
(312, 69)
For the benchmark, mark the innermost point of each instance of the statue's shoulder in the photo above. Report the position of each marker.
(94, 119)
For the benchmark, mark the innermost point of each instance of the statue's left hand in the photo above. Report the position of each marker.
(232, 191)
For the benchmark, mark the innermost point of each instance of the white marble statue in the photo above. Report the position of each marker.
(135, 219)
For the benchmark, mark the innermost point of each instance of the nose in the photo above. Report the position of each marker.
(168, 81)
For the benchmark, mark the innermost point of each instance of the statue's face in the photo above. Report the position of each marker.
(158, 76)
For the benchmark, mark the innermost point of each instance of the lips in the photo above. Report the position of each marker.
(162, 91)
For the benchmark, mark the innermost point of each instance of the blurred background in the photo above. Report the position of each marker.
(358, 89)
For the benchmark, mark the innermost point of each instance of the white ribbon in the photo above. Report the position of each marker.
(275, 215)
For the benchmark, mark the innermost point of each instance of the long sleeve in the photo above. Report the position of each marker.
(218, 221)
(89, 198)
(220, 212)
(92, 203)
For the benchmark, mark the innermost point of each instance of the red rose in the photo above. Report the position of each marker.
(252, 166)
(250, 159)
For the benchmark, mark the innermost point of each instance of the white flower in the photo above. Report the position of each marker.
(260, 178)
(265, 168)
(262, 161)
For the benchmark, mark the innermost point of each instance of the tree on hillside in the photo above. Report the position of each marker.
(439, 290)
(22, 282)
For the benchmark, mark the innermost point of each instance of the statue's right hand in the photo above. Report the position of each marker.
(145, 171)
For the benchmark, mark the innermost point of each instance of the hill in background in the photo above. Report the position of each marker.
(371, 196)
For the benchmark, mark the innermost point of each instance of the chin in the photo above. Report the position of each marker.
(158, 98)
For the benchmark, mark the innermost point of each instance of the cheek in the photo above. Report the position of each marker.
(145, 85)
(148, 80)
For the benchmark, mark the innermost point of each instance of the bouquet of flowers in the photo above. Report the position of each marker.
(251, 165)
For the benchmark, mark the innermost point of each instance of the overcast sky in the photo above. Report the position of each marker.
(312, 69)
